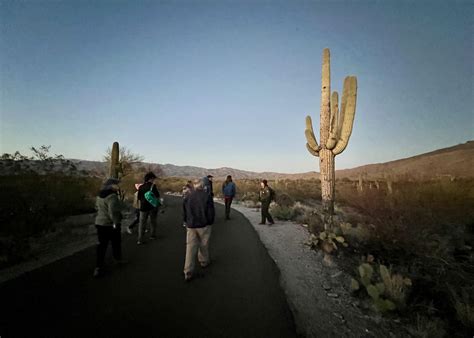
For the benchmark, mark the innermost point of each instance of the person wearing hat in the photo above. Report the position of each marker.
(266, 196)
(136, 206)
(146, 208)
(107, 223)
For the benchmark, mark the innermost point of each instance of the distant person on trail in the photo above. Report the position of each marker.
(266, 196)
(149, 198)
(207, 182)
(136, 206)
(198, 216)
(228, 191)
(187, 190)
(107, 223)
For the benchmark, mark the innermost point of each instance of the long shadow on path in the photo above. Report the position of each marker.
(238, 296)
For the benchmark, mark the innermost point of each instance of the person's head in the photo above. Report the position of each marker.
(150, 177)
(264, 183)
(198, 184)
(209, 177)
(111, 184)
(229, 178)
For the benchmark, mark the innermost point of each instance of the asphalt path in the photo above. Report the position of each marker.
(238, 295)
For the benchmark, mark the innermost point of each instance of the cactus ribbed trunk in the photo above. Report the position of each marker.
(114, 161)
(326, 156)
(327, 167)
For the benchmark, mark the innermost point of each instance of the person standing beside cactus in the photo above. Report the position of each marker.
(266, 196)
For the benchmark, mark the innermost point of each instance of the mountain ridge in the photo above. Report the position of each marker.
(453, 161)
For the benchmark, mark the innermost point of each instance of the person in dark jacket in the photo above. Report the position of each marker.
(147, 210)
(266, 196)
(228, 190)
(107, 223)
(198, 214)
(207, 186)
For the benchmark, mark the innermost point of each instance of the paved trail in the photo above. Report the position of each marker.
(238, 295)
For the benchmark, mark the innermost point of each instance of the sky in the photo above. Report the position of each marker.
(229, 83)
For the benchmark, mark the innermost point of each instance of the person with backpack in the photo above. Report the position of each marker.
(228, 191)
(107, 223)
(149, 198)
(136, 207)
(266, 196)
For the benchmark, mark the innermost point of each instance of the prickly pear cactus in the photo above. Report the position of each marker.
(335, 129)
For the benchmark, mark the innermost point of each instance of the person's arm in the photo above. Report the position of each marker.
(155, 191)
(234, 190)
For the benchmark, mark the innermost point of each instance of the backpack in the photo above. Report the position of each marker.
(151, 198)
(272, 194)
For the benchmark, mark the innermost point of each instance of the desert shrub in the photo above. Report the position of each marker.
(31, 204)
(428, 327)
(284, 200)
(464, 305)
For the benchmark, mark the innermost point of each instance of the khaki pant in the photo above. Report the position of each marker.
(197, 242)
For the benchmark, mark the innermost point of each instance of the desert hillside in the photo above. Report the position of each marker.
(456, 161)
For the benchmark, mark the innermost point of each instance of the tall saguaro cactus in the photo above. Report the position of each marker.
(114, 161)
(335, 129)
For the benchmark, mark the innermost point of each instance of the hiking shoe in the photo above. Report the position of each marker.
(184, 224)
(271, 223)
(129, 231)
(146, 230)
(152, 237)
(97, 272)
(188, 276)
(139, 243)
(261, 223)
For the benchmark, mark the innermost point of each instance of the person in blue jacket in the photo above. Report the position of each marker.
(228, 190)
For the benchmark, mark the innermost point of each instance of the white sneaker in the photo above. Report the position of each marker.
(129, 231)
(184, 225)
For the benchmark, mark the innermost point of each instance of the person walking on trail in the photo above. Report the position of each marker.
(228, 190)
(107, 223)
(187, 190)
(266, 196)
(149, 198)
(198, 216)
(136, 207)
(207, 182)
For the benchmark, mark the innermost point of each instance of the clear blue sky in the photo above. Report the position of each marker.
(229, 83)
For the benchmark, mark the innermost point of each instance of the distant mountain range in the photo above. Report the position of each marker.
(456, 161)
